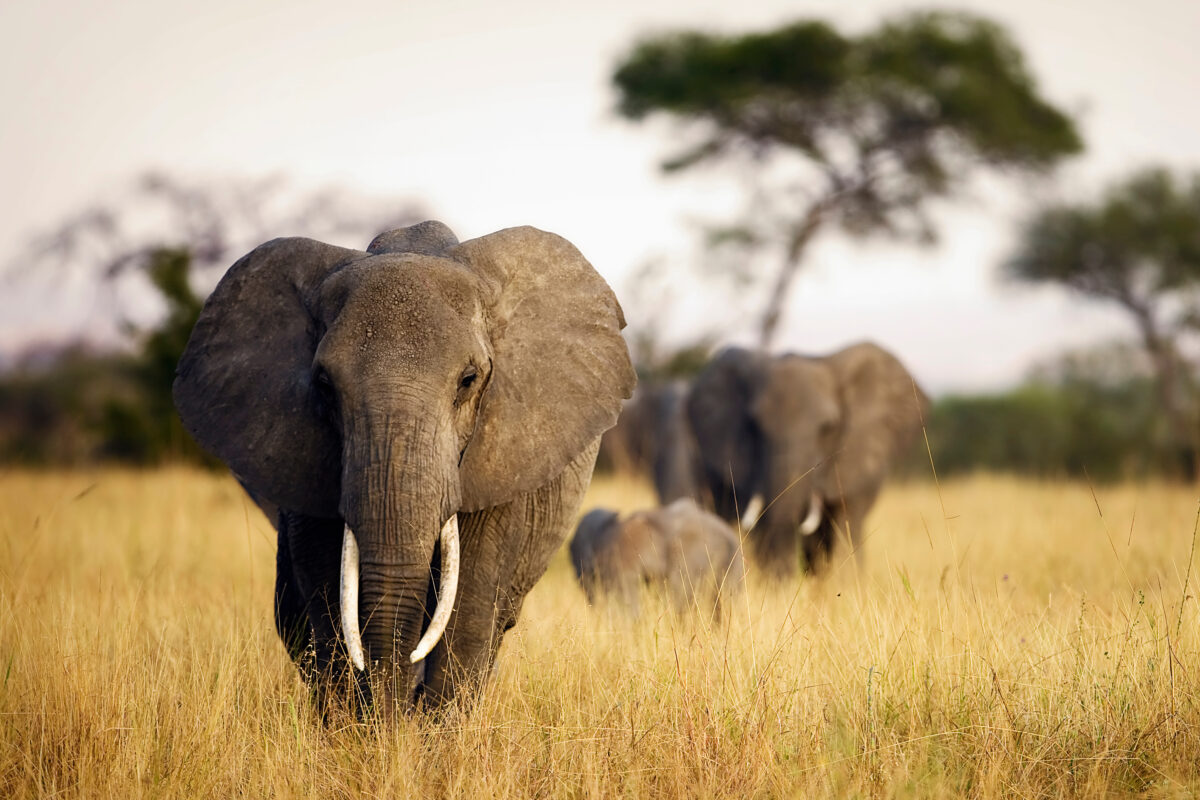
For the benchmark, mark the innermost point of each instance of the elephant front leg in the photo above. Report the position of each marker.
(776, 547)
(463, 657)
(848, 535)
(291, 609)
(818, 546)
(505, 550)
(308, 577)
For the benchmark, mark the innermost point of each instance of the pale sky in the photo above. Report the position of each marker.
(500, 113)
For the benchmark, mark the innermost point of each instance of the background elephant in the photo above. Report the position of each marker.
(689, 551)
(628, 446)
(813, 438)
(652, 438)
(396, 406)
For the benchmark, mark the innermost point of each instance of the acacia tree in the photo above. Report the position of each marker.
(869, 128)
(1139, 247)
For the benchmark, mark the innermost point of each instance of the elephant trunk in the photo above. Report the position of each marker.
(447, 590)
(390, 619)
(794, 510)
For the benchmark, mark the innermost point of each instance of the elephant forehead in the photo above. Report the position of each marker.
(800, 386)
(405, 310)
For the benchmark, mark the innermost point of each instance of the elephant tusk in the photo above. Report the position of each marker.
(750, 514)
(446, 592)
(813, 520)
(349, 599)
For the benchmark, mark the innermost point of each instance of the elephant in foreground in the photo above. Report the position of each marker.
(690, 552)
(806, 440)
(421, 421)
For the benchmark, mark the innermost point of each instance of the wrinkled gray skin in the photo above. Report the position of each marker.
(393, 388)
(786, 427)
(652, 438)
(688, 551)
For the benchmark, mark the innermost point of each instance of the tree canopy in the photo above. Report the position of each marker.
(1138, 246)
(883, 121)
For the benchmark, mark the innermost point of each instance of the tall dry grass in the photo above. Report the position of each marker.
(1004, 638)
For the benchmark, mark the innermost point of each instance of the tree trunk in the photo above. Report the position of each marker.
(1174, 391)
(776, 301)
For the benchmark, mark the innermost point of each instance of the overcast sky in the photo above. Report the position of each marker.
(500, 113)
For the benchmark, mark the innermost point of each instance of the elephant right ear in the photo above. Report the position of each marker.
(560, 365)
(243, 385)
(883, 411)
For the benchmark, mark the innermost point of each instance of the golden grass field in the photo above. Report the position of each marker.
(1006, 638)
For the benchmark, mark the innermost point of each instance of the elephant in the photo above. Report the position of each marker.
(627, 448)
(420, 421)
(690, 552)
(652, 438)
(808, 440)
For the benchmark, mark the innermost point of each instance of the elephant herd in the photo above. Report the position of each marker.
(793, 449)
(419, 421)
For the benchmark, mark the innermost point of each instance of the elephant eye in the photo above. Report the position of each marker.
(468, 377)
(325, 396)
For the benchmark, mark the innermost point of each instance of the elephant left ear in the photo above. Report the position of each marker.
(883, 408)
(560, 367)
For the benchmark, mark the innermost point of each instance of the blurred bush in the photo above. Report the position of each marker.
(1092, 414)
(76, 405)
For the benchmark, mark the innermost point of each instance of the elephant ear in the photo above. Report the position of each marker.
(719, 410)
(882, 412)
(243, 386)
(560, 367)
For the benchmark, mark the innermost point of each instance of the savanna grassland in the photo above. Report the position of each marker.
(1005, 638)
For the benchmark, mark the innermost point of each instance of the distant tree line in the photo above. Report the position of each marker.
(1093, 415)
(78, 405)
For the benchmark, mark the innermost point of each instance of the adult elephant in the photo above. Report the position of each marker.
(809, 438)
(652, 439)
(395, 408)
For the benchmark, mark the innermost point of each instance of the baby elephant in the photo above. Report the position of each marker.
(691, 552)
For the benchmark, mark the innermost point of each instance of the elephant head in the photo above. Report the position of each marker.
(814, 437)
(393, 389)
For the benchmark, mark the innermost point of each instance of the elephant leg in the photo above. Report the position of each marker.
(849, 516)
(312, 576)
(776, 547)
(505, 550)
(818, 546)
(681, 589)
(728, 502)
(628, 590)
(462, 659)
(730, 583)
(291, 611)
